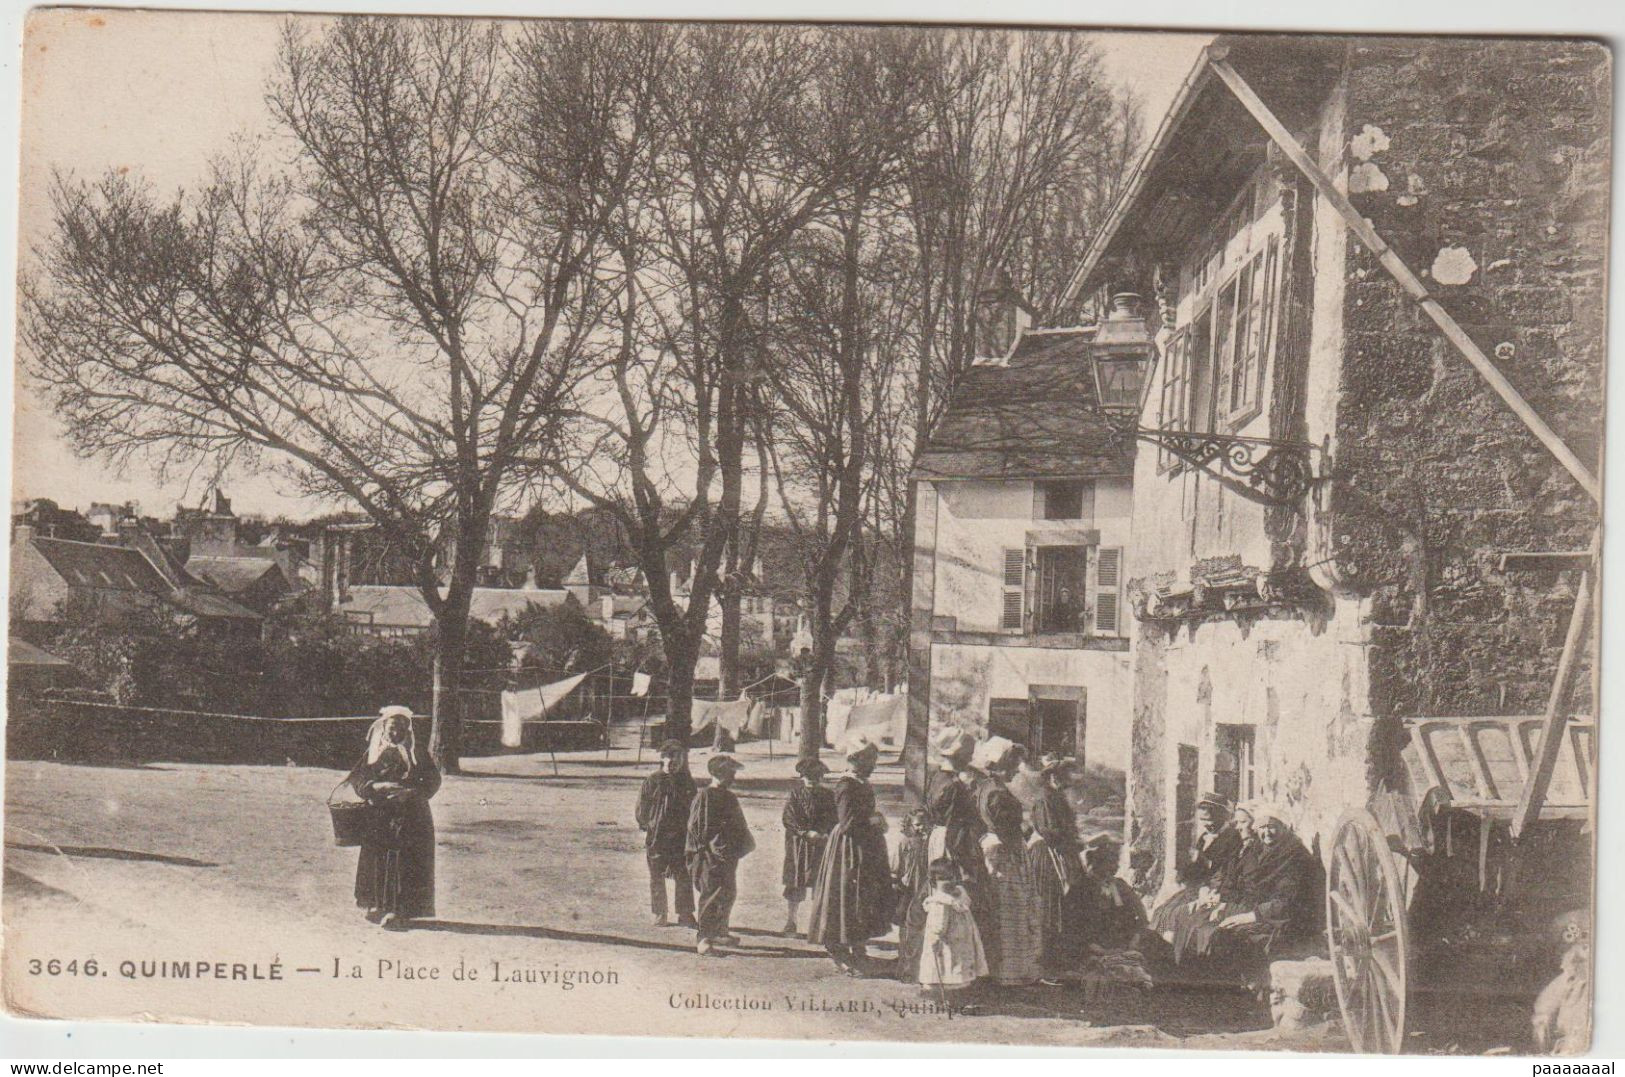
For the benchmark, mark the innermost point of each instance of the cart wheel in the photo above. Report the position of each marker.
(1366, 931)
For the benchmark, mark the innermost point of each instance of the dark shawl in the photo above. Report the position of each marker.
(952, 806)
(809, 810)
(1278, 883)
(1208, 860)
(395, 872)
(1283, 887)
(1001, 812)
(853, 902)
(663, 807)
(1114, 913)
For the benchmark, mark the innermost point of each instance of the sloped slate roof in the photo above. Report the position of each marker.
(403, 607)
(231, 574)
(1033, 416)
(393, 607)
(91, 564)
(490, 604)
(205, 604)
(19, 652)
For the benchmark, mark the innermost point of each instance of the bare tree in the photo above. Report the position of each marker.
(750, 154)
(836, 351)
(1022, 155)
(834, 343)
(397, 319)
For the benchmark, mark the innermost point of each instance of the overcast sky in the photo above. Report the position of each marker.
(158, 93)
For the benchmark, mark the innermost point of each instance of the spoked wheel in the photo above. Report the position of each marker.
(1366, 931)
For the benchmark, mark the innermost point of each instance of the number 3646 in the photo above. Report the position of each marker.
(57, 967)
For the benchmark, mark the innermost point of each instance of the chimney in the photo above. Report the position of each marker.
(530, 577)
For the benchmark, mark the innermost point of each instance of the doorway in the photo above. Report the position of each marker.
(1059, 718)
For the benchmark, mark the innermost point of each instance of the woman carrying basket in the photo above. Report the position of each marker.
(394, 878)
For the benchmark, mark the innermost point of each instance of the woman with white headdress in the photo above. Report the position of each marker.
(394, 879)
(854, 900)
(1012, 925)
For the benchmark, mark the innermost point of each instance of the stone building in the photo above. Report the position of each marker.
(1021, 534)
(1297, 594)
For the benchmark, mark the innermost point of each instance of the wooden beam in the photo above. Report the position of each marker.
(1408, 280)
(1554, 727)
(1544, 560)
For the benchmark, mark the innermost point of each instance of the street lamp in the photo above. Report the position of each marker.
(1121, 355)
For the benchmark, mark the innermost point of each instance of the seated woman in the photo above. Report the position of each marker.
(1217, 843)
(1273, 898)
(1114, 912)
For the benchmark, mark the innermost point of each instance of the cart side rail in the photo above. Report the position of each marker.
(1483, 764)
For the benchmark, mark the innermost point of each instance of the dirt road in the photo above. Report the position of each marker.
(230, 876)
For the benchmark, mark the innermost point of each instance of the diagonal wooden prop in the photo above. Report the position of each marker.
(1557, 705)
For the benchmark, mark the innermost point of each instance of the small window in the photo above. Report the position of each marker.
(1175, 386)
(1058, 598)
(1234, 773)
(1065, 500)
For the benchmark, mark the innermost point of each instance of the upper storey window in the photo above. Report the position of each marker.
(1216, 360)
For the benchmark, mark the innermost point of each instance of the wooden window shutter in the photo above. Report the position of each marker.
(1013, 615)
(1108, 590)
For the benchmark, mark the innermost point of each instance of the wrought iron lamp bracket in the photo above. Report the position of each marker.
(1269, 471)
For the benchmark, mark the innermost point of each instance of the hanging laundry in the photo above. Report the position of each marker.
(532, 705)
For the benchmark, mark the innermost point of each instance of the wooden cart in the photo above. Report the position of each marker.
(1432, 889)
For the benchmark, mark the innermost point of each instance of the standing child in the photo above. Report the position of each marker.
(718, 838)
(912, 876)
(663, 806)
(951, 955)
(809, 816)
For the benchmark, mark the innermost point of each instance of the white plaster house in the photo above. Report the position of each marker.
(1021, 534)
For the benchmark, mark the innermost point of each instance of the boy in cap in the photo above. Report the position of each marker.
(663, 807)
(809, 816)
(718, 838)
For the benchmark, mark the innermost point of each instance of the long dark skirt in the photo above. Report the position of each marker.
(1062, 904)
(802, 857)
(853, 902)
(395, 873)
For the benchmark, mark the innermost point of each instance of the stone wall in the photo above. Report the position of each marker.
(1484, 164)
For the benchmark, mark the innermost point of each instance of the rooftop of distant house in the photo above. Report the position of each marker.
(387, 606)
(1032, 414)
(105, 567)
(232, 574)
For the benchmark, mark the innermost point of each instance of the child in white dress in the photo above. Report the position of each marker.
(951, 955)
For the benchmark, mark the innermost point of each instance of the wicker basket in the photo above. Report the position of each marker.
(352, 823)
(353, 818)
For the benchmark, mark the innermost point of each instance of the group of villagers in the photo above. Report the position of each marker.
(983, 889)
(1248, 888)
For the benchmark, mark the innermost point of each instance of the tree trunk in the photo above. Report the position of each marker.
(446, 729)
(917, 730)
(812, 712)
(729, 597)
(680, 695)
